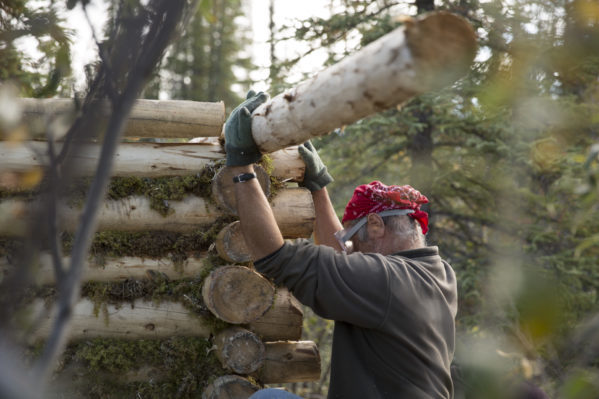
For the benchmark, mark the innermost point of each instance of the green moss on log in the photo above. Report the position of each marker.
(178, 367)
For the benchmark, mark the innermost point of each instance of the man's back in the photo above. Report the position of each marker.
(394, 330)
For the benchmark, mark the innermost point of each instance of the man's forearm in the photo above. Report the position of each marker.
(327, 223)
(258, 223)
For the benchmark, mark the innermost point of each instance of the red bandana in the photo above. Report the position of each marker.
(377, 197)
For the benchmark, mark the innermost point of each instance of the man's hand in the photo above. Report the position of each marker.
(239, 143)
(316, 175)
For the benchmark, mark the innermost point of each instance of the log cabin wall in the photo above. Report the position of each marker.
(157, 315)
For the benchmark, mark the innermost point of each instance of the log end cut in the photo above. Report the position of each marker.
(443, 46)
(230, 387)
(231, 245)
(223, 188)
(237, 294)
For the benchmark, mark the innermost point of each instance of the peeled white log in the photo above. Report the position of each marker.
(144, 159)
(145, 319)
(425, 54)
(117, 269)
(237, 294)
(293, 210)
(148, 118)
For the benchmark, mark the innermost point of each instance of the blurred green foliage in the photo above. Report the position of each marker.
(508, 158)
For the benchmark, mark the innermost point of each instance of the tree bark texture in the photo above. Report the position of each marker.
(237, 294)
(145, 159)
(148, 118)
(293, 210)
(426, 53)
(116, 269)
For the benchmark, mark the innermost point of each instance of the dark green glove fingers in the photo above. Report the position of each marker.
(316, 176)
(239, 143)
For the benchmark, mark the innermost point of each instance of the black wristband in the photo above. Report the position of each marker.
(244, 177)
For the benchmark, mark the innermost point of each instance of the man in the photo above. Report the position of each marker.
(393, 299)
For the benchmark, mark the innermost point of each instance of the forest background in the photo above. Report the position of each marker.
(508, 157)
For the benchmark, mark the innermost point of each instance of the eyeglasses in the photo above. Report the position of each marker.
(344, 236)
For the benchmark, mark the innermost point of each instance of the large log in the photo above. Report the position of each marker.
(144, 319)
(230, 387)
(116, 269)
(148, 118)
(144, 159)
(293, 209)
(283, 321)
(290, 362)
(424, 54)
(239, 350)
(237, 294)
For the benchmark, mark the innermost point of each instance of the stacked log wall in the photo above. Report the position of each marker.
(171, 299)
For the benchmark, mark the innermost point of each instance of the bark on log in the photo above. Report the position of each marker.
(230, 387)
(148, 118)
(424, 54)
(283, 321)
(116, 269)
(223, 188)
(239, 350)
(237, 294)
(144, 319)
(144, 159)
(290, 362)
(293, 210)
(230, 244)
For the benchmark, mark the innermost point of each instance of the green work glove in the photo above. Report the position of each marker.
(239, 143)
(316, 175)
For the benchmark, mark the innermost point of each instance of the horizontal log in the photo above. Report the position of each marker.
(283, 321)
(290, 362)
(293, 209)
(144, 319)
(424, 54)
(237, 294)
(230, 387)
(144, 159)
(116, 269)
(148, 118)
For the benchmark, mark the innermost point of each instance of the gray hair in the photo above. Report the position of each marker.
(403, 226)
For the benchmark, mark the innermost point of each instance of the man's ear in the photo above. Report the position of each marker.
(376, 226)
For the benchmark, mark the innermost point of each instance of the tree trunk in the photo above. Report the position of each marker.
(425, 54)
(239, 350)
(143, 320)
(230, 387)
(148, 118)
(293, 210)
(230, 244)
(116, 269)
(237, 294)
(145, 159)
(283, 321)
(290, 362)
